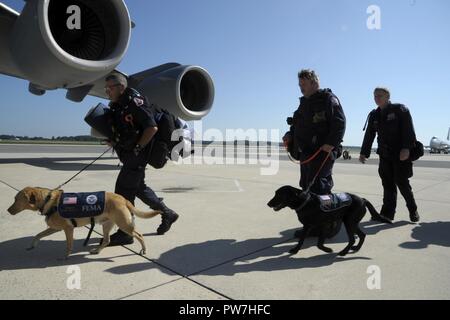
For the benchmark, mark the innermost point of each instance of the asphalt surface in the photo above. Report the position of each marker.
(227, 243)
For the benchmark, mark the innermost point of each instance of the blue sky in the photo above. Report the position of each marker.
(254, 49)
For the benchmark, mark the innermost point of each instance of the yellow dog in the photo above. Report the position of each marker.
(118, 211)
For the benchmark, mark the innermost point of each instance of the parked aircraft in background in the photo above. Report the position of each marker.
(438, 146)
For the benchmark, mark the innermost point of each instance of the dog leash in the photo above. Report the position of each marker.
(318, 171)
(306, 161)
(47, 199)
(308, 195)
(312, 157)
(87, 166)
(6, 184)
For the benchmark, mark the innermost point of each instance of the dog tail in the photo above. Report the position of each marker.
(373, 212)
(141, 214)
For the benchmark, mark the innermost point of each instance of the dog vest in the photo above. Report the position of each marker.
(334, 201)
(81, 205)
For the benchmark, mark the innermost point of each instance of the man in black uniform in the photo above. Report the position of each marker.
(134, 126)
(318, 124)
(396, 137)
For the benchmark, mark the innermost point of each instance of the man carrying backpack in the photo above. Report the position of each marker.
(134, 126)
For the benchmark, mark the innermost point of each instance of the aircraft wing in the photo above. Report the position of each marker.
(8, 17)
(49, 57)
(97, 87)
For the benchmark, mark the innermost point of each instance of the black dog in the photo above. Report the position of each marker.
(311, 216)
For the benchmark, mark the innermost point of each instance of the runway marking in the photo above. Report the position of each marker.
(238, 185)
(9, 185)
(432, 186)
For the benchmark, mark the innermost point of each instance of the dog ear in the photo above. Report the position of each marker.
(32, 199)
(29, 194)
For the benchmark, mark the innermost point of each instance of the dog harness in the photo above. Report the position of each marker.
(81, 205)
(334, 201)
(329, 202)
(77, 205)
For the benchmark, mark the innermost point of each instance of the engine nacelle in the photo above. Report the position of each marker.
(51, 55)
(185, 91)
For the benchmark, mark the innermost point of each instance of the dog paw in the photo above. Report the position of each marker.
(294, 250)
(327, 250)
(142, 252)
(355, 248)
(29, 249)
(342, 253)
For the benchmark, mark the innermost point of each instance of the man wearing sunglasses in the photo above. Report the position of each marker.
(134, 126)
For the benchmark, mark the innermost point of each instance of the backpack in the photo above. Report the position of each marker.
(416, 152)
(171, 141)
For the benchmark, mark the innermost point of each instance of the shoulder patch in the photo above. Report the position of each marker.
(400, 106)
(334, 100)
(138, 101)
(404, 108)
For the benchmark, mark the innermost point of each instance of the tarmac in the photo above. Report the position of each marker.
(227, 243)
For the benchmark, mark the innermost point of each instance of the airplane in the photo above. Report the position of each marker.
(437, 145)
(41, 46)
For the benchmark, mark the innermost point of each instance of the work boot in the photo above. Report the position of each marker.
(119, 238)
(168, 217)
(414, 216)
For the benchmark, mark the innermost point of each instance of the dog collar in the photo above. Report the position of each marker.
(308, 197)
(51, 211)
(47, 199)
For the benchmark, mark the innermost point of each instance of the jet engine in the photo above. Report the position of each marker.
(52, 50)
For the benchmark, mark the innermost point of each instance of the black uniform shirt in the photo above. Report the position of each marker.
(132, 114)
(395, 130)
(319, 120)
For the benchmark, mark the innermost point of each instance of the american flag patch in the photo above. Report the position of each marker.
(70, 200)
(325, 197)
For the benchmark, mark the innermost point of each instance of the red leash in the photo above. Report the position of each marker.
(307, 160)
(312, 157)
(318, 171)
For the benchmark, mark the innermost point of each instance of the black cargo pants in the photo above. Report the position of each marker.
(395, 173)
(131, 180)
